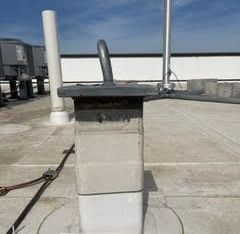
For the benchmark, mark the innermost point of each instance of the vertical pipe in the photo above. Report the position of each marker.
(167, 45)
(58, 114)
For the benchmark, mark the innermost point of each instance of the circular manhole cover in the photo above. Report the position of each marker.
(8, 129)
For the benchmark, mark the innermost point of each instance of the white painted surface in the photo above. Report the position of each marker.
(149, 68)
(120, 213)
(54, 67)
(59, 117)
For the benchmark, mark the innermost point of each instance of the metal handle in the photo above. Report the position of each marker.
(105, 62)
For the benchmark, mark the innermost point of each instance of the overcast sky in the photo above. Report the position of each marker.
(129, 26)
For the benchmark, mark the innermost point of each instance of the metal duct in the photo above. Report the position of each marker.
(105, 62)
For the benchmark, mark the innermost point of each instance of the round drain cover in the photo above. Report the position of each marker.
(157, 221)
(161, 221)
(8, 129)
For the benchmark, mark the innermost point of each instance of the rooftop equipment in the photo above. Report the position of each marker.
(40, 66)
(14, 56)
(1, 65)
(1, 78)
(30, 60)
(39, 60)
(17, 65)
(1, 97)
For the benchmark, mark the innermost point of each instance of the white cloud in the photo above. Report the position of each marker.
(122, 33)
(181, 3)
(27, 33)
(131, 27)
(219, 35)
(136, 26)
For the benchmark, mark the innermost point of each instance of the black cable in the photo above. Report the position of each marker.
(5, 189)
(178, 217)
(175, 75)
(29, 207)
(51, 175)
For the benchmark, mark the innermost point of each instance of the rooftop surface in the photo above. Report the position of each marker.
(192, 167)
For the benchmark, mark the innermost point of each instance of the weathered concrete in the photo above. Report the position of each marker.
(109, 158)
(109, 163)
(196, 86)
(10, 208)
(192, 168)
(207, 215)
(225, 89)
(210, 87)
(236, 90)
(203, 86)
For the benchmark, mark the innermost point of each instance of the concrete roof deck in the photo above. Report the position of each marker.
(192, 167)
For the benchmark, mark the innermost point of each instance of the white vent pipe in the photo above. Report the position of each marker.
(58, 114)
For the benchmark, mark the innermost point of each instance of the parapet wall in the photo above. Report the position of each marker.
(86, 68)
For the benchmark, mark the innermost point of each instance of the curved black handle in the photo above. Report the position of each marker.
(105, 62)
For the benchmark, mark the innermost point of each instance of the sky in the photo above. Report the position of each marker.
(128, 26)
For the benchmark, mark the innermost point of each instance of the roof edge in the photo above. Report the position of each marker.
(154, 55)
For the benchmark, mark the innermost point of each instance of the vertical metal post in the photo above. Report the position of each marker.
(58, 114)
(166, 85)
